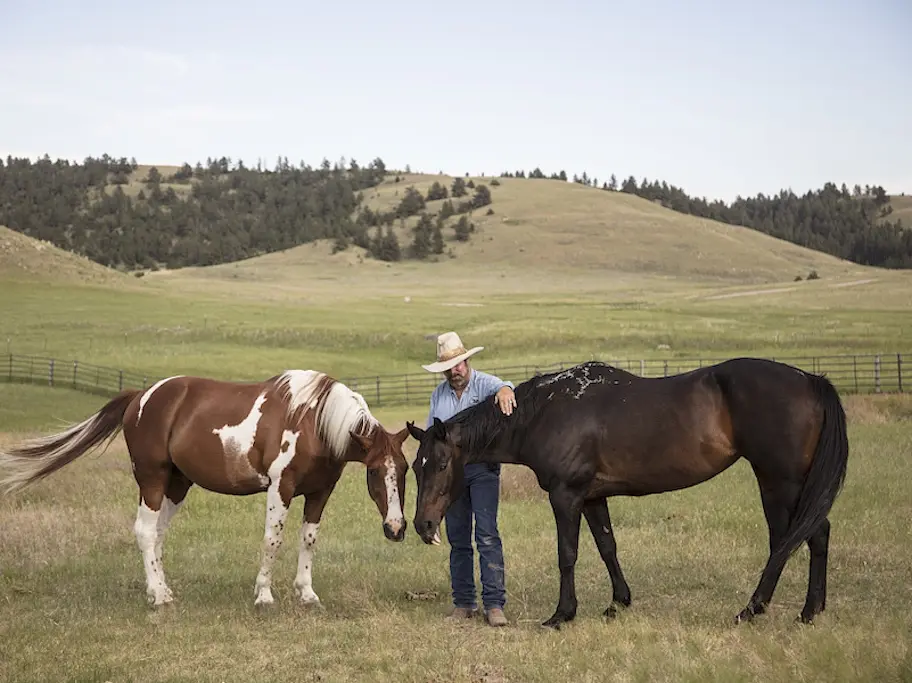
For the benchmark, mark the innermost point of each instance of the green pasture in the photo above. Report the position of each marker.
(72, 605)
(158, 330)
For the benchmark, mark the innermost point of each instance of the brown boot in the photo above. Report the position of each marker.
(460, 613)
(496, 617)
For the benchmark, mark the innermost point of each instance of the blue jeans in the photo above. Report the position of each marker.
(479, 498)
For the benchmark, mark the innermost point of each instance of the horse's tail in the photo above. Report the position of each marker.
(826, 475)
(35, 459)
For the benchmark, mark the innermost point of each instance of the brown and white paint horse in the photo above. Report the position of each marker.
(289, 435)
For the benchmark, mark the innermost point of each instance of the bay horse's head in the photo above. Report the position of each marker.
(439, 473)
(386, 471)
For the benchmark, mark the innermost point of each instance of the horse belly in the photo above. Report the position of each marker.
(220, 474)
(640, 471)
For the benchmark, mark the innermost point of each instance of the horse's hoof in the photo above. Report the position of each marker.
(610, 613)
(744, 616)
(806, 619)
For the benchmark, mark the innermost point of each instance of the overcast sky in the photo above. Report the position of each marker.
(721, 98)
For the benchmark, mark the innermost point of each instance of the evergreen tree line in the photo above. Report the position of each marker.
(428, 233)
(853, 225)
(229, 212)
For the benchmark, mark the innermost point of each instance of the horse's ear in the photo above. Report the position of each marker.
(440, 430)
(364, 441)
(400, 437)
(416, 432)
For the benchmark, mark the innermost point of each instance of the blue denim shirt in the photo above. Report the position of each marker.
(444, 403)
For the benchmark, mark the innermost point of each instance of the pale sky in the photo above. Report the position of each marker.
(720, 98)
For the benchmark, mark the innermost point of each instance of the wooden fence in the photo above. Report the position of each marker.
(851, 374)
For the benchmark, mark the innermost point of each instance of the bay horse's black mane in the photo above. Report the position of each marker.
(482, 423)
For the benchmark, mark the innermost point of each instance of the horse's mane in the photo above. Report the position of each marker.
(482, 424)
(339, 410)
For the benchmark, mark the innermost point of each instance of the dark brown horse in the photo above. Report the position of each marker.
(290, 435)
(595, 431)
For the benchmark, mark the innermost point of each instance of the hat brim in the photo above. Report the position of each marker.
(444, 365)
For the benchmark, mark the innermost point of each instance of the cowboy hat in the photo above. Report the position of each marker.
(450, 352)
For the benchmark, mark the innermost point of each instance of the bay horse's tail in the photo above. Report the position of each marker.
(826, 475)
(35, 459)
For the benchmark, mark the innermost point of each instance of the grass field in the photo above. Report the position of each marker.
(543, 280)
(72, 593)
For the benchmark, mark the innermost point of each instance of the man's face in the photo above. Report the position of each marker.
(458, 375)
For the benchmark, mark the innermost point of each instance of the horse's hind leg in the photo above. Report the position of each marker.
(599, 520)
(818, 544)
(779, 501)
(153, 481)
(178, 485)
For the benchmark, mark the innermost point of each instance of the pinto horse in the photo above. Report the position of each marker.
(289, 435)
(595, 431)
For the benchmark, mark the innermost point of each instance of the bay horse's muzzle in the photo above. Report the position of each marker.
(429, 531)
(397, 535)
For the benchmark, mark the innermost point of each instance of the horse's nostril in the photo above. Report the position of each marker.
(428, 525)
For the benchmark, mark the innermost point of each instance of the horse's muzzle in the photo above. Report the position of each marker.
(429, 531)
(398, 535)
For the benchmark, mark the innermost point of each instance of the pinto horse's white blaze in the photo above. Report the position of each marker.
(148, 394)
(339, 410)
(146, 528)
(304, 580)
(276, 512)
(394, 517)
(238, 439)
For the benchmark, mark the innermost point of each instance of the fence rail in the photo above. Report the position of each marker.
(855, 374)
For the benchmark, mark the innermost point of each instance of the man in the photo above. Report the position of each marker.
(463, 387)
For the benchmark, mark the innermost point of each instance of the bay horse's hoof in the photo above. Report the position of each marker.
(556, 620)
(610, 613)
(806, 619)
(745, 616)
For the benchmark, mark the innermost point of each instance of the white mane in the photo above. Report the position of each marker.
(338, 411)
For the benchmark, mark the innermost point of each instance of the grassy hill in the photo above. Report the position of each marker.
(902, 208)
(22, 257)
(543, 236)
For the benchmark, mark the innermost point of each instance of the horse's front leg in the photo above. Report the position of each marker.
(567, 505)
(313, 511)
(278, 499)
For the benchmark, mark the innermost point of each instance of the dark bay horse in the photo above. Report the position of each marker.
(290, 435)
(595, 431)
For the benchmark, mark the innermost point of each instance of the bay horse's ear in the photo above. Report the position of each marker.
(364, 441)
(416, 432)
(439, 428)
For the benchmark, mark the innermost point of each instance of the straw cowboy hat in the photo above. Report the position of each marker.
(450, 352)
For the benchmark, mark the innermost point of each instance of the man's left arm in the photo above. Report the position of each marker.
(503, 391)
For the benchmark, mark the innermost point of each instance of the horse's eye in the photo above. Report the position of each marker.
(443, 464)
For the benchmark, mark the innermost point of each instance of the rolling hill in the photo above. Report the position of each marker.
(25, 258)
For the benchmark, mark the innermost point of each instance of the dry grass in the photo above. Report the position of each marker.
(691, 558)
(71, 590)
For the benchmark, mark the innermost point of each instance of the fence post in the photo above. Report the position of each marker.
(406, 389)
(120, 373)
(877, 374)
(899, 371)
(51, 373)
(378, 389)
(855, 370)
(75, 370)
(666, 369)
(642, 368)
(11, 367)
